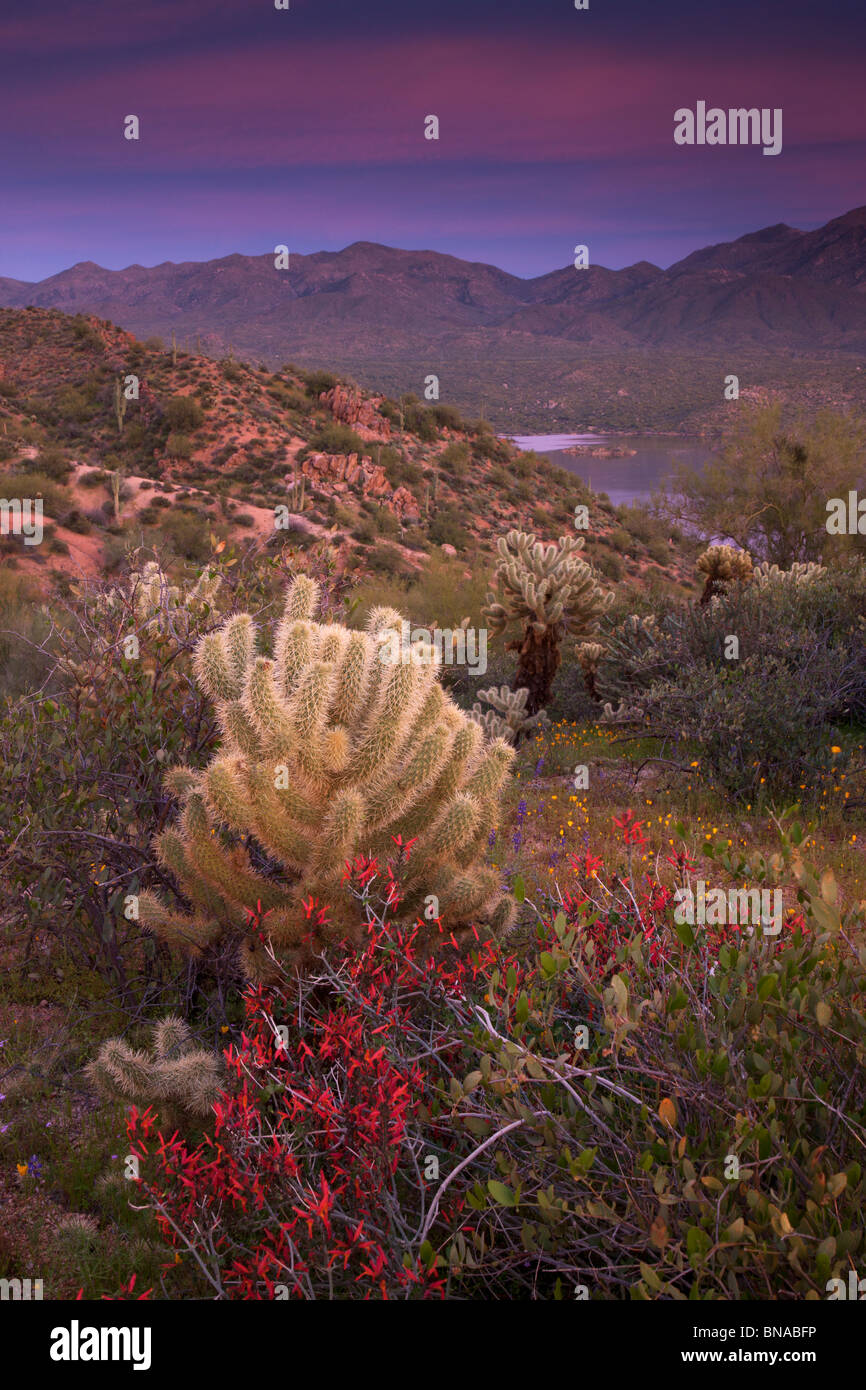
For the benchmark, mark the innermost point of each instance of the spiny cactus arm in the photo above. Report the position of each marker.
(226, 795)
(296, 645)
(388, 809)
(205, 588)
(390, 721)
(229, 872)
(355, 673)
(335, 750)
(193, 1082)
(239, 644)
(267, 711)
(190, 934)
(463, 894)
(180, 780)
(338, 836)
(171, 853)
(449, 832)
(171, 1037)
(213, 668)
(239, 730)
(302, 599)
(120, 1073)
(273, 820)
(308, 713)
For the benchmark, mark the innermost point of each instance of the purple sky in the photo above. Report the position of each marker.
(305, 127)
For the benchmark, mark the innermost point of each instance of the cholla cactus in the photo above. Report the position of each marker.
(589, 654)
(721, 564)
(507, 718)
(551, 592)
(179, 1079)
(161, 606)
(332, 749)
(799, 573)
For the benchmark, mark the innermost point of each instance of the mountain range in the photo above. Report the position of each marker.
(399, 313)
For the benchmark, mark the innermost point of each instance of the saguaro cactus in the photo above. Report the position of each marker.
(550, 592)
(330, 750)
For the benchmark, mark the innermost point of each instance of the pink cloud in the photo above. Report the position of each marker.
(304, 103)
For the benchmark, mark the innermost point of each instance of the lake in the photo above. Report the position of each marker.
(625, 480)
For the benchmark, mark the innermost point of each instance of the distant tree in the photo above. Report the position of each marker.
(767, 489)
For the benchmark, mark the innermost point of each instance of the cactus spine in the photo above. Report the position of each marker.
(330, 750)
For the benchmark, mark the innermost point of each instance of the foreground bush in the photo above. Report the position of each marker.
(628, 1109)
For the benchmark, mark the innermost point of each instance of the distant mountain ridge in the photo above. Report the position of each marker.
(777, 288)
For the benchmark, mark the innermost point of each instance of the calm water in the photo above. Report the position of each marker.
(623, 479)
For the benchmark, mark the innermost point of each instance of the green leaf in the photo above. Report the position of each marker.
(518, 890)
(685, 934)
(500, 1193)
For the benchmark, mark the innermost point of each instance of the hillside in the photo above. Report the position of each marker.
(210, 449)
(789, 305)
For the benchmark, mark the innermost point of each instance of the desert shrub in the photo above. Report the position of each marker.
(187, 533)
(183, 414)
(440, 594)
(85, 753)
(243, 519)
(621, 540)
(30, 483)
(323, 1198)
(54, 464)
(317, 382)
(387, 559)
(399, 470)
(660, 552)
(447, 417)
(618, 1106)
(23, 628)
(420, 421)
(72, 405)
(92, 477)
(446, 528)
(766, 718)
(333, 437)
(179, 446)
(668, 1101)
(455, 459)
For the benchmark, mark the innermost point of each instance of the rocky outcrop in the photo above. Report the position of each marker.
(339, 472)
(347, 405)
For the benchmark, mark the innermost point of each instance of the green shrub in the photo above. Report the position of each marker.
(766, 712)
(183, 414)
(446, 528)
(30, 483)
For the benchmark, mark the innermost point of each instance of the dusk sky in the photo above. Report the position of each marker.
(306, 127)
